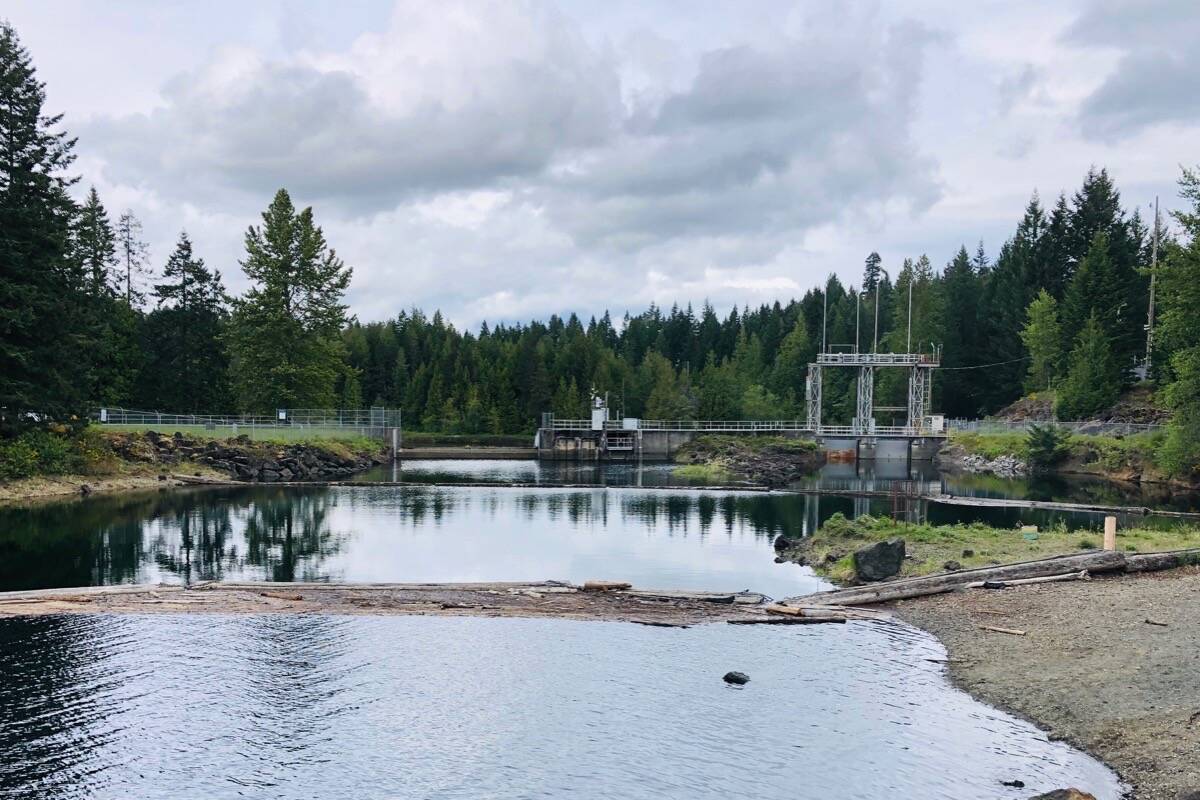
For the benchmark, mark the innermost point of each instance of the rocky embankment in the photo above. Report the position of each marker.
(246, 460)
(769, 461)
(955, 458)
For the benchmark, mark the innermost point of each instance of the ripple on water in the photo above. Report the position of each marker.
(320, 706)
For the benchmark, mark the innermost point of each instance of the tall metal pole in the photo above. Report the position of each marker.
(857, 310)
(875, 340)
(908, 346)
(824, 314)
(1150, 312)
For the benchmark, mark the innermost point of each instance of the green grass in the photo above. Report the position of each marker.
(702, 472)
(931, 546)
(991, 445)
(283, 433)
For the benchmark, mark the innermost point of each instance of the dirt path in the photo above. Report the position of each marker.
(1090, 669)
(546, 599)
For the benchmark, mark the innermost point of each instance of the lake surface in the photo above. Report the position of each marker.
(659, 538)
(172, 706)
(215, 706)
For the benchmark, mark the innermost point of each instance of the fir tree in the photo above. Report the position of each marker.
(95, 246)
(132, 257)
(1092, 383)
(42, 352)
(872, 271)
(284, 334)
(187, 366)
(1179, 334)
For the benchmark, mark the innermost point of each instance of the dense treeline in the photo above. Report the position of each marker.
(1062, 306)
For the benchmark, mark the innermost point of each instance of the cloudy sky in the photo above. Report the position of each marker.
(508, 160)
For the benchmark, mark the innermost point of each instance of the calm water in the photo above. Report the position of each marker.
(686, 539)
(397, 707)
(661, 539)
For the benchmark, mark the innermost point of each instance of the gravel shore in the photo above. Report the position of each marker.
(1090, 669)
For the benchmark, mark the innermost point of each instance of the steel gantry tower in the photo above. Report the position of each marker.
(920, 368)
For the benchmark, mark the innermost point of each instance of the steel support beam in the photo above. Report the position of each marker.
(864, 415)
(812, 396)
(918, 397)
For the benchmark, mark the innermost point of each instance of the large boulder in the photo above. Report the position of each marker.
(1065, 794)
(880, 561)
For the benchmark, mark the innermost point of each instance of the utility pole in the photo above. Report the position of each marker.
(1150, 312)
(908, 345)
(875, 340)
(824, 314)
(857, 309)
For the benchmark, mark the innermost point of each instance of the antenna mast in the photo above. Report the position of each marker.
(1150, 312)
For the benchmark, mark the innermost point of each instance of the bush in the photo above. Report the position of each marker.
(43, 452)
(18, 459)
(1046, 446)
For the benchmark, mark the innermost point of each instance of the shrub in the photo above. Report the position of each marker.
(1046, 445)
(18, 459)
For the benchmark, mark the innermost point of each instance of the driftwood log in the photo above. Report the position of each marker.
(1093, 562)
(1152, 562)
(1082, 575)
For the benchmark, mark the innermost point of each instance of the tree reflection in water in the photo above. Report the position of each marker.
(288, 535)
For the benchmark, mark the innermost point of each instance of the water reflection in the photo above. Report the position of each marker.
(668, 539)
(310, 706)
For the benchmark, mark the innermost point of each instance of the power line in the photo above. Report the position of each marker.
(982, 366)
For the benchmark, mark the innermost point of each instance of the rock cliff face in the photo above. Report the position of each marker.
(247, 460)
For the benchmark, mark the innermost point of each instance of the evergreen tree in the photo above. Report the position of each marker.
(1099, 289)
(719, 391)
(1180, 334)
(42, 352)
(284, 334)
(95, 246)
(872, 272)
(791, 365)
(961, 287)
(132, 257)
(1042, 336)
(1092, 382)
(186, 363)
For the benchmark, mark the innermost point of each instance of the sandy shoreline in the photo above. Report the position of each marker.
(1090, 669)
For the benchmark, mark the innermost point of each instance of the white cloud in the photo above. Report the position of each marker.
(516, 159)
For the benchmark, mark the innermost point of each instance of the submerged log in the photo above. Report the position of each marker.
(1098, 561)
(777, 620)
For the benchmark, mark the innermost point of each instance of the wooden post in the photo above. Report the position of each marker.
(1110, 533)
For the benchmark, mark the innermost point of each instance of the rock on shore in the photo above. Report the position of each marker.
(246, 460)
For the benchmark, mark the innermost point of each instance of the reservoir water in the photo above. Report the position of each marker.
(284, 706)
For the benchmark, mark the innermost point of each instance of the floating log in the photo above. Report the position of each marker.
(1096, 561)
(1082, 575)
(1157, 622)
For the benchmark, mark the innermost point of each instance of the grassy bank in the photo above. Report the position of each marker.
(1131, 457)
(930, 547)
(60, 461)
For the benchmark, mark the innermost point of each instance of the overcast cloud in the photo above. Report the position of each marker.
(505, 160)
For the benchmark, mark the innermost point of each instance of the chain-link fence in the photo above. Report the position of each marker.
(285, 423)
(1092, 427)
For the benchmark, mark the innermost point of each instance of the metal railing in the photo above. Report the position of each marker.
(878, 359)
(287, 423)
(1087, 427)
(702, 426)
